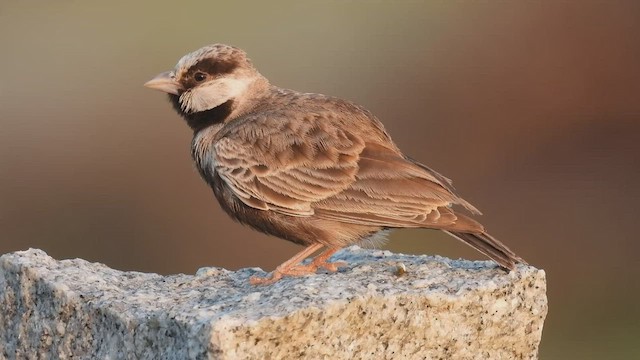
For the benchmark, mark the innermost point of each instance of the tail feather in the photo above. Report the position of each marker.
(491, 247)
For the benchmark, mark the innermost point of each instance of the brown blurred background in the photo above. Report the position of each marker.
(533, 108)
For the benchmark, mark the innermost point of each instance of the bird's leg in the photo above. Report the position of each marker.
(320, 261)
(290, 267)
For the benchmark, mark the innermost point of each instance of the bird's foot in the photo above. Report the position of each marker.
(329, 266)
(320, 261)
(279, 273)
(289, 269)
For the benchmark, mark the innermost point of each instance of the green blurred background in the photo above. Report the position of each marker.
(533, 108)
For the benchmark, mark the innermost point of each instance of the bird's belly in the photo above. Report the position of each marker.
(303, 230)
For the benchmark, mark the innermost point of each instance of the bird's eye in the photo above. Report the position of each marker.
(199, 76)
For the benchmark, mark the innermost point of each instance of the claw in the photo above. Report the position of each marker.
(293, 268)
(333, 266)
(320, 261)
(277, 274)
(257, 280)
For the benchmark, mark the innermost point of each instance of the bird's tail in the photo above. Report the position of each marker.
(491, 247)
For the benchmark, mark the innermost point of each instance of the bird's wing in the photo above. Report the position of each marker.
(285, 164)
(393, 191)
(316, 166)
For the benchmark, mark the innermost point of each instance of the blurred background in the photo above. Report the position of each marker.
(533, 108)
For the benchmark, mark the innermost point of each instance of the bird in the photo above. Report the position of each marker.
(312, 169)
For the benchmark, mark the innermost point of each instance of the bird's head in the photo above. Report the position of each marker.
(207, 78)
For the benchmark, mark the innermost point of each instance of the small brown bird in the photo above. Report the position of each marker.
(312, 169)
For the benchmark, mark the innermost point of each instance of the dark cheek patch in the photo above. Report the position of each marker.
(213, 67)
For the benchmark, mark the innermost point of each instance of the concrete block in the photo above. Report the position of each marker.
(436, 308)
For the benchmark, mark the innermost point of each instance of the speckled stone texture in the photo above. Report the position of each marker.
(436, 309)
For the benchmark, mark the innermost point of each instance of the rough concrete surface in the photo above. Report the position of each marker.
(437, 309)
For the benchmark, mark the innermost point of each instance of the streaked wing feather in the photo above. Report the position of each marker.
(304, 167)
(393, 191)
(281, 173)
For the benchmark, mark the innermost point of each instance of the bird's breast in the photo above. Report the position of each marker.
(203, 152)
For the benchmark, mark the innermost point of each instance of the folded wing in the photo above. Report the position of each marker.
(318, 167)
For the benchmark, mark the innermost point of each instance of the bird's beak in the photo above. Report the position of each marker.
(164, 82)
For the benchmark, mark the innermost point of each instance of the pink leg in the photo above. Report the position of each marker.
(292, 266)
(320, 261)
(289, 267)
